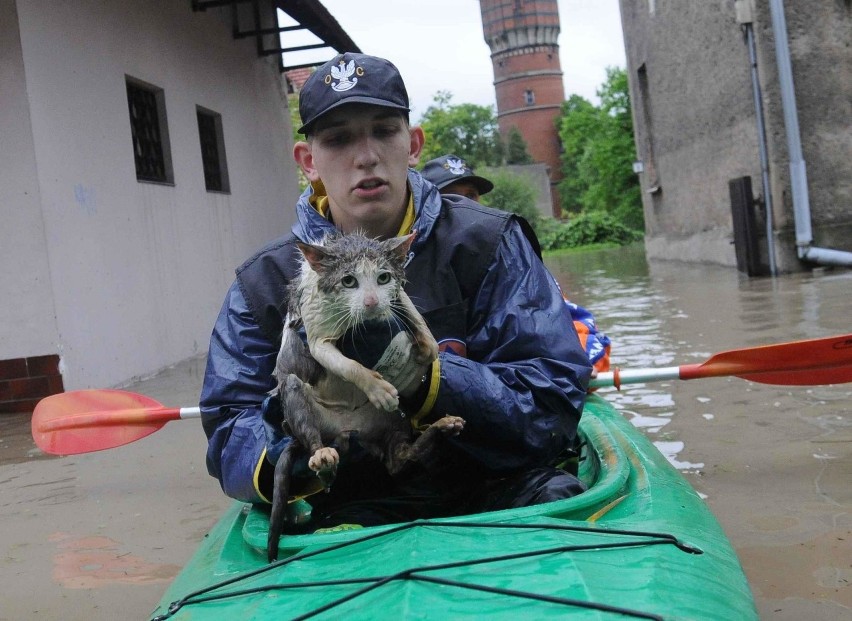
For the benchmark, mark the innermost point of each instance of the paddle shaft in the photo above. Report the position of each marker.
(634, 376)
(92, 420)
(641, 376)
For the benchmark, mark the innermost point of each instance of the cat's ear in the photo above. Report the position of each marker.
(399, 246)
(313, 255)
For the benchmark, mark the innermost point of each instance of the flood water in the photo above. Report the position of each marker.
(773, 462)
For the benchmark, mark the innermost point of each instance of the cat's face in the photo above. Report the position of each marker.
(368, 289)
(359, 278)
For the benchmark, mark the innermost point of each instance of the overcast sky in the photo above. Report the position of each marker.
(438, 45)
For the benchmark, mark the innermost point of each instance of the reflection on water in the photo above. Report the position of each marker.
(669, 313)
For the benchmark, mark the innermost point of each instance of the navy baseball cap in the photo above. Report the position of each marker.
(351, 78)
(447, 169)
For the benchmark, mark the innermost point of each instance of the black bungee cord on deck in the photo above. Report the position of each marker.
(416, 573)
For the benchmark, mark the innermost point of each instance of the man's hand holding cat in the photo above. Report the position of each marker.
(404, 363)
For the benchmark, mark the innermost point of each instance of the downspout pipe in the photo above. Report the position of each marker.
(798, 171)
(761, 144)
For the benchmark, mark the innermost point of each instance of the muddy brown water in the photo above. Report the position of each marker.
(99, 536)
(774, 463)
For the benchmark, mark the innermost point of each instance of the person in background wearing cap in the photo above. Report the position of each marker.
(451, 175)
(510, 362)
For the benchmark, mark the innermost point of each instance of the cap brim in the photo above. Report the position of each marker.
(350, 100)
(482, 185)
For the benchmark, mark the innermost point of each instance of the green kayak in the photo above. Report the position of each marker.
(640, 543)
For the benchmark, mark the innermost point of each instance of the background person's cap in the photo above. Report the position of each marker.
(447, 169)
(351, 78)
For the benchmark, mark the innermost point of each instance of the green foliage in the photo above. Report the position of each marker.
(514, 194)
(466, 130)
(594, 227)
(598, 156)
(516, 148)
(296, 122)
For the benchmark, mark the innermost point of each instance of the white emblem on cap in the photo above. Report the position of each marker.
(456, 166)
(342, 73)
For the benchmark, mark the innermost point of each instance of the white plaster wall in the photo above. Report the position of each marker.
(27, 323)
(139, 270)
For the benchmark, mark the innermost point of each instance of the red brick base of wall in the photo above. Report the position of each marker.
(25, 381)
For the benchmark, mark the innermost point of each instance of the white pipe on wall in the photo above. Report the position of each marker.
(798, 170)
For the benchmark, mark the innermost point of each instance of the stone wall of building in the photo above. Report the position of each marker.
(696, 123)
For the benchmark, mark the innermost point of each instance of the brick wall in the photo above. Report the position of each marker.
(24, 381)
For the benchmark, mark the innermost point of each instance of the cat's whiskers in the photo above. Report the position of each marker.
(397, 311)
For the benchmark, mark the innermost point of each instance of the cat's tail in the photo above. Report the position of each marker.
(280, 492)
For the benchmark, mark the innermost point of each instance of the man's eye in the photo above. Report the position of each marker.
(385, 131)
(349, 281)
(334, 140)
(383, 278)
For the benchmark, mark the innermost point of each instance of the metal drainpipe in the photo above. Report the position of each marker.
(798, 172)
(761, 144)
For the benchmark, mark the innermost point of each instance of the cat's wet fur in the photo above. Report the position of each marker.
(326, 398)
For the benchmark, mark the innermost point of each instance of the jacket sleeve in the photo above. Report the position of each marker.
(522, 386)
(238, 377)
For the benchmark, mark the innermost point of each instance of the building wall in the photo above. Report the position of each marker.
(695, 122)
(820, 44)
(27, 313)
(138, 271)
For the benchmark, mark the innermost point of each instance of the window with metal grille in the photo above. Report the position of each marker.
(150, 133)
(529, 98)
(212, 150)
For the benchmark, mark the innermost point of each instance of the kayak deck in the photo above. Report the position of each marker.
(639, 543)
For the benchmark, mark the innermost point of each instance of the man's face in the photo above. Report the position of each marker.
(361, 153)
(465, 188)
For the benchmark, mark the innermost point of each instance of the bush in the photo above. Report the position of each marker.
(594, 227)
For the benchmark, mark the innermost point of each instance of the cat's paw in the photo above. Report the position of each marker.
(382, 394)
(449, 425)
(425, 348)
(325, 458)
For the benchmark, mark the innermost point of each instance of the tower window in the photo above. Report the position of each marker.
(149, 131)
(212, 151)
(529, 98)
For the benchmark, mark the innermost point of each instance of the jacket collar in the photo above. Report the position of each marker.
(311, 225)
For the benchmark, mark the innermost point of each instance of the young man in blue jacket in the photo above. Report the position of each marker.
(506, 365)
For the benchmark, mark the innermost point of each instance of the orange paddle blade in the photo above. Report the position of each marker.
(799, 363)
(83, 421)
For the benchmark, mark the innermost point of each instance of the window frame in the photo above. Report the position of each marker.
(159, 146)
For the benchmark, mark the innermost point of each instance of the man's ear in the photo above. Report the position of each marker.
(418, 139)
(305, 159)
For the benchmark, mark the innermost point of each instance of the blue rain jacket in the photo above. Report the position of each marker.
(511, 362)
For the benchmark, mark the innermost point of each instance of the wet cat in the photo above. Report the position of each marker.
(347, 283)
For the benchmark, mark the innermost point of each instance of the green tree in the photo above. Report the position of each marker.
(513, 193)
(597, 161)
(466, 130)
(296, 123)
(577, 126)
(516, 148)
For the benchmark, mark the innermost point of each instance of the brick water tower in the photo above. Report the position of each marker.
(522, 37)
